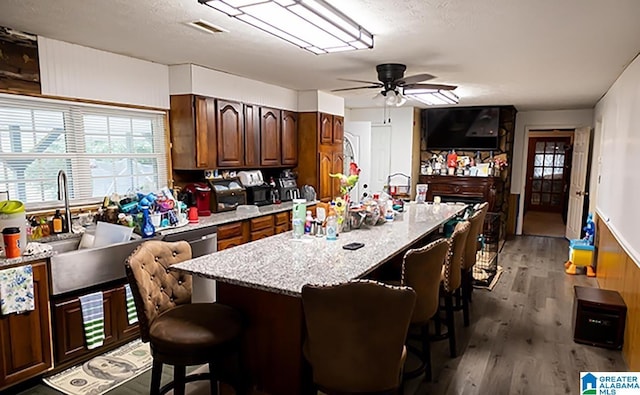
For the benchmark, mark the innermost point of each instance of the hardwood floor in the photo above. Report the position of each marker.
(519, 341)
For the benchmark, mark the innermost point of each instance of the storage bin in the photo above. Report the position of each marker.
(580, 253)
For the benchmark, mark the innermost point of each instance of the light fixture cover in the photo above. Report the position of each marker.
(313, 25)
(432, 97)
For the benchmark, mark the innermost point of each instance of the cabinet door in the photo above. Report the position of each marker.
(338, 129)
(69, 331)
(281, 229)
(251, 135)
(289, 138)
(205, 132)
(325, 182)
(337, 167)
(261, 234)
(25, 348)
(230, 133)
(326, 128)
(228, 243)
(269, 137)
(125, 330)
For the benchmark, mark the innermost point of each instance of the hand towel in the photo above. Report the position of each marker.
(93, 319)
(132, 314)
(16, 290)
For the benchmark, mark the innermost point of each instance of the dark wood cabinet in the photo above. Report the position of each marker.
(318, 154)
(269, 137)
(25, 347)
(465, 189)
(230, 133)
(326, 128)
(338, 129)
(251, 135)
(289, 138)
(193, 132)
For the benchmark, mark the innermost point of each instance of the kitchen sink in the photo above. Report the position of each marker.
(65, 245)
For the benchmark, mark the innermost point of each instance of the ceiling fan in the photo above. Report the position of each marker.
(392, 80)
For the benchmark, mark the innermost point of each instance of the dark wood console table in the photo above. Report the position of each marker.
(465, 189)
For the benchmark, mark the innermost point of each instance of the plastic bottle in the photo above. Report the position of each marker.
(146, 228)
(57, 222)
(332, 224)
(308, 223)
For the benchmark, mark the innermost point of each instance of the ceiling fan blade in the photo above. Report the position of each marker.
(362, 81)
(430, 86)
(357, 87)
(412, 79)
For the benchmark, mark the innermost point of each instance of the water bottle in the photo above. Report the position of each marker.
(332, 225)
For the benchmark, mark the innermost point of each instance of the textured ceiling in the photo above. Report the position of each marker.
(534, 54)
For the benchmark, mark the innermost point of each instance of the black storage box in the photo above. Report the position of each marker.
(598, 317)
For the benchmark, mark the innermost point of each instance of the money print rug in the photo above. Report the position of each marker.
(104, 372)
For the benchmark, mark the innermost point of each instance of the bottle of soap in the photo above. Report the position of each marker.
(57, 222)
(308, 223)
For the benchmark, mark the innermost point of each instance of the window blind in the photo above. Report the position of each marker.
(102, 149)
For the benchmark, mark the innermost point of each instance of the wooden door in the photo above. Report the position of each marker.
(338, 129)
(25, 347)
(547, 163)
(325, 183)
(69, 340)
(251, 135)
(326, 128)
(289, 138)
(230, 125)
(578, 182)
(269, 137)
(337, 167)
(205, 132)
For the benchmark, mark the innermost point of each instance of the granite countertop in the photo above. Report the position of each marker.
(283, 265)
(212, 220)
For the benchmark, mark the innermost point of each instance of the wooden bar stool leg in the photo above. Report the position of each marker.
(179, 374)
(451, 330)
(156, 376)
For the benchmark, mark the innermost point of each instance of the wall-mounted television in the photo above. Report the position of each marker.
(463, 128)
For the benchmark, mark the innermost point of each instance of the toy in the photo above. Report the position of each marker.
(581, 251)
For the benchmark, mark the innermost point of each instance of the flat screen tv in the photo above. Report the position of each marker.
(467, 128)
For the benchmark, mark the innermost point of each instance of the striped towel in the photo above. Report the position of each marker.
(132, 314)
(93, 319)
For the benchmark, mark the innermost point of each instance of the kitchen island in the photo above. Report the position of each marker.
(264, 280)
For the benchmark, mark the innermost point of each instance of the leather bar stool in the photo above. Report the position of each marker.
(471, 249)
(181, 333)
(355, 336)
(421, 270)
(451, 277)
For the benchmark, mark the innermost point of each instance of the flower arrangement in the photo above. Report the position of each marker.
(500, 162)
(347, 182)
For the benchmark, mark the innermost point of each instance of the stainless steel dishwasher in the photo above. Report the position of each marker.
(203, 241)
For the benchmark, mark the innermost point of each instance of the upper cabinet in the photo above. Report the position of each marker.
(338, 129)
(326, 128)
(251, 135)
(193, 132)
(230, 132)
(269, 137)
(289, 138)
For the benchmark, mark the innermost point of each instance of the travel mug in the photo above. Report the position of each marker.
(193, 215)
(11, 238)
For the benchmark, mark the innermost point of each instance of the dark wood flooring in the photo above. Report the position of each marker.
(519, 341)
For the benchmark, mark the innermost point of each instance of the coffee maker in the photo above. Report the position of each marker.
(258, 192)
(202, 195)
(287, 186)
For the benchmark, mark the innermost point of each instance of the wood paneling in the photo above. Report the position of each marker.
(230, 132)
(269, 137)
(617, 271)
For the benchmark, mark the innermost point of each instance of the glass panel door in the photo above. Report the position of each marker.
(547, 173)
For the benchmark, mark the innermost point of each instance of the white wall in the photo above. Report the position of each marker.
(208, 82)
(617, 180)
(401, 121)
(314, 100)
(73, 71)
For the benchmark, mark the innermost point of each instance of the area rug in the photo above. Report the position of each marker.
(104, 372)
(491, 281)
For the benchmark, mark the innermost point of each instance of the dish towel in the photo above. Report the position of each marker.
(16, 290)
(132, 314)
(93, 319)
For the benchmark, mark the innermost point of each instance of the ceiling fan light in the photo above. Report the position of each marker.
(305, 23)
(401, 100)
(435, 98)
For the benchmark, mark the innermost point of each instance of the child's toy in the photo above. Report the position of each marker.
(581, 251)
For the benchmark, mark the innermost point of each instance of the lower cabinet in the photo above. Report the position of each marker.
(25, 347)
(69, 340)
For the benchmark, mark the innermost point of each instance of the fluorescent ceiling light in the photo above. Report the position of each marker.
(310, 24)
(432, 97)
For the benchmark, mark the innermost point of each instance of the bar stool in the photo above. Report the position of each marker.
(421, 270)
(355, 336)
(470, 254)
(181, 333)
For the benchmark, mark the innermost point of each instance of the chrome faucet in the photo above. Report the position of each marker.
(63, 194)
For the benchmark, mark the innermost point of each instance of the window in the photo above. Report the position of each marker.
(102, 149)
